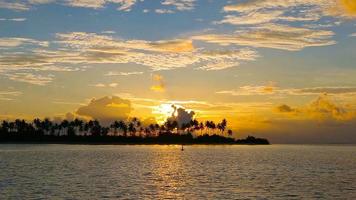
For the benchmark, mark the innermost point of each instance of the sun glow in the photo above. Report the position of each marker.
(164, 111)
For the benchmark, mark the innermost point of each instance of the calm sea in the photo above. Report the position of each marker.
(166, 172)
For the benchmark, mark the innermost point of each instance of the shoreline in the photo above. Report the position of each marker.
(129, 144)
(163, 139)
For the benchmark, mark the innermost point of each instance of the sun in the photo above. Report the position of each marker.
(164, 111)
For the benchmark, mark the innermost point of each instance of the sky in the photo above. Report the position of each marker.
(280, 69)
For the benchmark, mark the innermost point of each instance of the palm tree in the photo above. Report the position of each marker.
(201, 127)
(46, 125)
(122, 125)
(86, 129)
(132, 129)
(96, 128)
(115, 125)
(70, 131)
(212, 126)
(152, 128)
(54, 128)
(223, 125)
(147, 132)
(229, 132)
(78, 124)
(207, 126)
(11, 127)
(104, 131)
(5, 126)
(64, 125)
(219, 127)
(38, 125)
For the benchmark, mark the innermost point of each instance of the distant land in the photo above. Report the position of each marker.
(120, 132)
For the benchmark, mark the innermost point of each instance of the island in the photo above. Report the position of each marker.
(120, 132)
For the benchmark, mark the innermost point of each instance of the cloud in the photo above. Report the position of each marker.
(322, 108)
(251, 18)
(272, 89)
(323, 120)
(273, 36)
(124, 5)
(79, 48)
(91, 48)
(106, 109)
(181, 5)
(163, 11)
(108, 32)
(13, 19)
(104, 43)
(159, 85)
(19, 6)
(40, 1)
(342, 8)
(326, 90)
(262, 23)
(181, 115)
(122, 73)
(175, 46)
(334, 8)
(284, 108)
(102, 85)
(9, 95)
(16, 42)
(223, 59)
(249, 90)
(30, 78)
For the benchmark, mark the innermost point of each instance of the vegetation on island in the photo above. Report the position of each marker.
(120, 132)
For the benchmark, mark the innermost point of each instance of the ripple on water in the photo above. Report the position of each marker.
(164, 172)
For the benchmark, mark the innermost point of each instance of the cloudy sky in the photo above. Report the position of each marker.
(281, 69)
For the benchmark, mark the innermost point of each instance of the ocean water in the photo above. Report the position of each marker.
(166, 172)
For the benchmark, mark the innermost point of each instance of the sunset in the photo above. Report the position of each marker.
(167, 76)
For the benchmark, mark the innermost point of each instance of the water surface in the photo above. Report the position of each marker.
(166, 172)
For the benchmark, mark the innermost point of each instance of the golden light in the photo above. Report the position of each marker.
(349, 6)
(164, 111)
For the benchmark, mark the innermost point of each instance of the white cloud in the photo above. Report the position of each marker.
(15, 42)
(40, 1)
(124, 5)
(108, 32)
(294, 10)
(252, 18)
(19, 6)
(79, 48)
(273, 36)
(122, 73)
(163, 11)
(13, 19)
(271, 89)
(30, 78)
(103, 85)
(181, 5)
(9, 95)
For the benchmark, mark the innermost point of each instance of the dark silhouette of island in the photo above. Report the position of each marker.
(120, 132)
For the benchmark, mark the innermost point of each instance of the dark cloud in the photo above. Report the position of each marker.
(285, 108)
(321, 121)
(181, 115)
(328, 90)
(106, 109)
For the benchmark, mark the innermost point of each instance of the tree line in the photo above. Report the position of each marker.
(131, 131)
